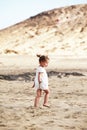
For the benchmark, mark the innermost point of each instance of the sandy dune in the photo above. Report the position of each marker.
(43, 33)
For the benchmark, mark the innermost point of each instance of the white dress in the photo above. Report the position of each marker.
(44, 79)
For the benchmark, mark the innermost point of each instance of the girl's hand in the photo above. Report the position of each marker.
(33, 85)
(40, 82)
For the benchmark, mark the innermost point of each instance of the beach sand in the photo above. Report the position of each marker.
(68, 95)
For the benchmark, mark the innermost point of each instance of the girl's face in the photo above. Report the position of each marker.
(44, 63)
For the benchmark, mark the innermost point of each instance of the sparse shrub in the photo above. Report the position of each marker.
(7, 51)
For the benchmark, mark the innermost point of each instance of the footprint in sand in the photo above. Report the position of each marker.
(69, 127)
(67, 117)
(84, 129)
(2, 125)
(56, 97)
(49, 122)
(33, 127)
(66, 109)
(76, 115)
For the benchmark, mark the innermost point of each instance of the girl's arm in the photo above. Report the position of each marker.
(33, 85)
(40, 77)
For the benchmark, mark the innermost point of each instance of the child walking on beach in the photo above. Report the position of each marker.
(41, 81)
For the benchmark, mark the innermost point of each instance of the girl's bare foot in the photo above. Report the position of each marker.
(46, 105)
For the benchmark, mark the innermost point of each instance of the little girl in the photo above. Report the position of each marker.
(41, 81)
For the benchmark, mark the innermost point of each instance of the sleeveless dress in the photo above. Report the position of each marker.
(44, 79)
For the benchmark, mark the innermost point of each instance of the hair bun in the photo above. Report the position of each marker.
(38, 55)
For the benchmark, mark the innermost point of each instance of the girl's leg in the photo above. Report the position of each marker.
(46, 97)
(37, 97)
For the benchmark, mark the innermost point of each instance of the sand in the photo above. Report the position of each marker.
(68, 95)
